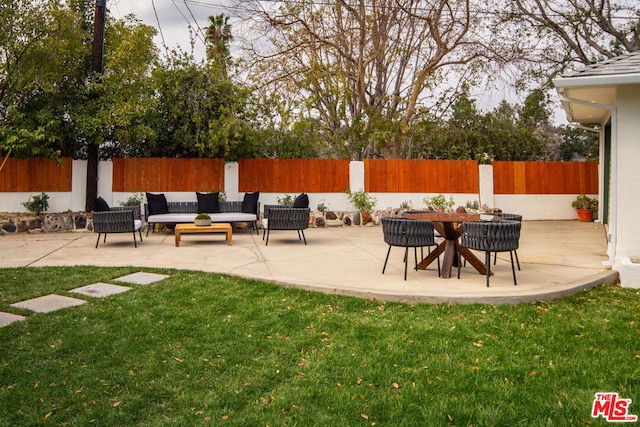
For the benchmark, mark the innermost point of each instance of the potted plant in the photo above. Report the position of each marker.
(585, 206)
(202, 220)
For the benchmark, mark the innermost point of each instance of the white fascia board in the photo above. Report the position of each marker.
(610, 80)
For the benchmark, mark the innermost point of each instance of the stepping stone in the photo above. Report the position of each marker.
(7, 318)
(142, 278)
(100, 290)
(48, 303)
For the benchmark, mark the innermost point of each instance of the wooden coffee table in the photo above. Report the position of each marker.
(213, 228)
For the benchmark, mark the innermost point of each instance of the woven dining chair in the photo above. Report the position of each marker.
(408, 233)
(509, 217)
(502, 236)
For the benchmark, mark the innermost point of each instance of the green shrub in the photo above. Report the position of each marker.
(361, 200)
(287, 200)
(322, 207)
(134, 200)
(440, 202)
(37, 204)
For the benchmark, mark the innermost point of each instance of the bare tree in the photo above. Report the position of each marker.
(557, 34)
(364, 67)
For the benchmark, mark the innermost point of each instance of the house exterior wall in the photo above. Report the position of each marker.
(628, 172)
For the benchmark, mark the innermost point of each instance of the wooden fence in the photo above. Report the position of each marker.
(545, 177)
(293, 175)
(421, 176)
(36, 175)
(167, 174)
(310, 175)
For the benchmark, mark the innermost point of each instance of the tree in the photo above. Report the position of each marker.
(217, 38)
(553, 35)
(364, 67)
(40, 55)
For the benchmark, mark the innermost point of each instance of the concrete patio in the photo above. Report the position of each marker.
(558, 258)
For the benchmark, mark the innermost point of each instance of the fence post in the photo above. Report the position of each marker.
(356, 176)
(485, 179)
(232, 181)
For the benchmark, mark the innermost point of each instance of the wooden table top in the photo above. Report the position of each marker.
(444, 216)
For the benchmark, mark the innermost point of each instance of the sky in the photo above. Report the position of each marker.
(174, 18)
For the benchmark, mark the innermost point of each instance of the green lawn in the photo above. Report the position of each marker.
(208, 349)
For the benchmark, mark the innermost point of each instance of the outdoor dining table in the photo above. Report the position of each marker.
(449, 225)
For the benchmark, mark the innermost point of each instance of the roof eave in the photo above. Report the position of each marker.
(608, 80)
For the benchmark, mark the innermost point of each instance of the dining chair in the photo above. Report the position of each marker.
(501, 236)
(408, 233)
(509, 217)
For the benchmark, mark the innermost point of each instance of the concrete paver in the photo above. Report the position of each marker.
(141, 278)
(100, 290)
(49, 303)
(558, 258)
(8, 318)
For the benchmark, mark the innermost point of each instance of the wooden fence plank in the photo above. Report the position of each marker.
(545, 177)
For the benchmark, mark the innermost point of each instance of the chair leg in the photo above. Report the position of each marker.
(267, 243)
(304, 238)
(487, 264)
(140, 231)
(406, 261)
(515, 283)
(517, 260)
(98, 241)
(135, 244)
(385, 260)
(299, 238)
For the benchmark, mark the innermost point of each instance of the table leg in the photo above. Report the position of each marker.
(177, 234)
(229, 237)
(431, 257)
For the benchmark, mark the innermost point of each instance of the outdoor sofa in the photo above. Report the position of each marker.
(158, 210)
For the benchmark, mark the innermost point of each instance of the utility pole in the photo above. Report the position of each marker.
(96, 67)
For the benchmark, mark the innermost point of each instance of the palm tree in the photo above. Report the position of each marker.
(218, 37)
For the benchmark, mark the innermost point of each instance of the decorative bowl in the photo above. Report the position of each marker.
(202, 222)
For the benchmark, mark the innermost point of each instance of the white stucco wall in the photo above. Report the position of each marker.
(628, 172)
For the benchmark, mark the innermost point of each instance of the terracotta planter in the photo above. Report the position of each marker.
(585, 215)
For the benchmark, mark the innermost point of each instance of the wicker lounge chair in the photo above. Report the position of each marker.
(118, 220)
(285, 218)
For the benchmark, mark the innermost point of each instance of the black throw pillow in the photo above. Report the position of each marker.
(208, 203)
(302, 201)
(250, 202)
(101, 205)
(157, 204)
